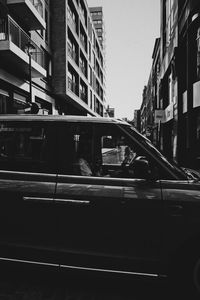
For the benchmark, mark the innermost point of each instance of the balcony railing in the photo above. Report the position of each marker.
(10, 30)
(38, 4)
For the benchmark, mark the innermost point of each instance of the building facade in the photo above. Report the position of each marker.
(174, 83)
(44, 59)
(179, 80)
(136, 119)
(98, 21)
(188, 73)
(79, 64)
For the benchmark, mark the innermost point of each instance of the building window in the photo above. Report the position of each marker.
(89, 52)
(168, 23)
(90, 76)
(83, 65)
(83, 39)
(72, 85)
(83, 12)
(91, 99)
(72, 50)
(38, 5)
(47, 34)
(83, 92)
(72, 19)
(93, 59)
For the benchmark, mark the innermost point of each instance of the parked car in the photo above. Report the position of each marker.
(137, 216)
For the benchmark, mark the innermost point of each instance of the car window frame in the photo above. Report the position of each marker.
(52, 168)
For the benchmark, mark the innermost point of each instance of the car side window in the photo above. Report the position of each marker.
(75, 149)
(101, 150)
(106, 150)
(26, 146)
(121, 156)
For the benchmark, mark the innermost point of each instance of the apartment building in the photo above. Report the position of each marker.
(98, 21)
(79, 64)
(48, 55)
(25, 65)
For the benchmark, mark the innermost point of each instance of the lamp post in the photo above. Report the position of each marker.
(29, 49)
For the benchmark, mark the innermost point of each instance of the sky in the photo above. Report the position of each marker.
(131, 29)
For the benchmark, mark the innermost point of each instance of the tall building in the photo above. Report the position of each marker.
(50, 54)
(79, 66)
(98, 21)
(136, 119)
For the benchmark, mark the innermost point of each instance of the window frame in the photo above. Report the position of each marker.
(49, 165)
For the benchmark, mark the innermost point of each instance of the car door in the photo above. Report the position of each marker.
(27, 187)
(181, 202)
(108, 222)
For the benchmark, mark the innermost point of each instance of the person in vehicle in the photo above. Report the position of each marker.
(84, 167)
(83, 158)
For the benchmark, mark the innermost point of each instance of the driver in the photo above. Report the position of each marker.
(129, 155)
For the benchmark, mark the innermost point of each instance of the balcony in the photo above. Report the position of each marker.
(31, 10)
(13, 50)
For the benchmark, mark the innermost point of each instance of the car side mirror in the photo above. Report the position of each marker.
(141, 168)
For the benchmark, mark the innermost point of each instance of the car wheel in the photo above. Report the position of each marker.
(196, 275)
(185, 275)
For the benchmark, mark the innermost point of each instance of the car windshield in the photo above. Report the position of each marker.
(151, 149)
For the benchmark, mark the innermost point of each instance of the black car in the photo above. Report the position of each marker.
(94, 194)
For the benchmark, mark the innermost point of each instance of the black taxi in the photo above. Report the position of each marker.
(94, 194)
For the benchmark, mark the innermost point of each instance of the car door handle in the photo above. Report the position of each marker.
(73, 201)
(66, 201)
(176, 210)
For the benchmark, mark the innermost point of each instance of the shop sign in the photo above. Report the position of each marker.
(169, 112)
(196, 94)
(185, 102)
(159, 116)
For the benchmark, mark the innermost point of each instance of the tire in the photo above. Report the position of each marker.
(185, 275)
(196, 275)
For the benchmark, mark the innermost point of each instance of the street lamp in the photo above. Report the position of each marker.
(30, 49)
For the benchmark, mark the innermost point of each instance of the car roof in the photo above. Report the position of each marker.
(60, 118)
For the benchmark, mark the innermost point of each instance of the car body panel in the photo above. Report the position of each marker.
(116, 224)
(27, 215)
(182, 211)
(109, 218)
